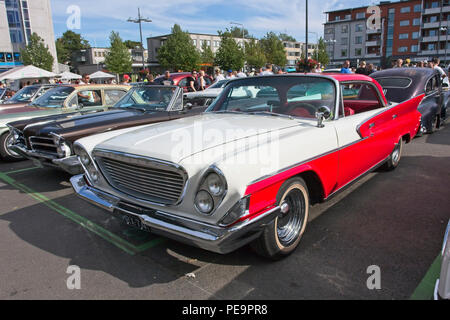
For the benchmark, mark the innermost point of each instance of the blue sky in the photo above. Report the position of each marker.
(100, 17)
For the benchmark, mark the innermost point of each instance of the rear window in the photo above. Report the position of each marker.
(394, 82)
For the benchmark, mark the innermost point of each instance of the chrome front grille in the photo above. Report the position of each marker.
(144, 178)
(44, 145)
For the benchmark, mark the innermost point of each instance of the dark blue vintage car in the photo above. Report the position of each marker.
(401, 84)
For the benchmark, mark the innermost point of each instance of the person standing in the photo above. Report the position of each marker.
(346, 67)
(399, 63)
(167, 80)
(85, 79)
(218, 76)
(269, 70)
(191, 81)
(362, 69)
(201, 82)
(126, 80)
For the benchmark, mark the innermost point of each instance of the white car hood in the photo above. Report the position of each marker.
(176, 140)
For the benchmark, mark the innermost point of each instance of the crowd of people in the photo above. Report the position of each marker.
(369, 69)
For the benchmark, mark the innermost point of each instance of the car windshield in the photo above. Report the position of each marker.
(147, 98)
(218, 85)
(54, 98)
(294, 96)
(2, 92)
(24, 94)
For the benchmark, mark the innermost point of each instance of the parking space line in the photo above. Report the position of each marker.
(21, 170)
(85, 223)
(425, 290)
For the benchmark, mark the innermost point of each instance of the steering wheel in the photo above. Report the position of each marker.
(307, 106)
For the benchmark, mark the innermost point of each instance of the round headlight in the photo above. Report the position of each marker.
(204, 202)
(64, 150)
(85, 159)
(215, 185)
(93, 174)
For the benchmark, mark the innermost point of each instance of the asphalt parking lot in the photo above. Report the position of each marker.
(393, 220)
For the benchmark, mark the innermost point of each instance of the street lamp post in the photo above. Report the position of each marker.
(306, 36)
(317, 37)
(139, 20)
(446, 41)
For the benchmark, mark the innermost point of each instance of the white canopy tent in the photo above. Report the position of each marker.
(69, 76)
(101, 75)
(26, 72)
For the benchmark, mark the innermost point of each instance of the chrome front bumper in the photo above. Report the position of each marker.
(205, 236)
(70, 164)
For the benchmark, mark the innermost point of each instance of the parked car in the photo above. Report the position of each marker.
(248, 169)
(56, 101)
(206, 97)
(26, 95)
(400, 84)
(50, 142)
(442, 288)
(180, 79)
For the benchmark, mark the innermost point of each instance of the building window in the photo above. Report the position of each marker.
(359, 28)
(348, 17)
(415, 35)
(344, 41)
(418, 8)
(405, 10)
(358, 40)
(416, 22)
(403, 49)
(358, 52)
(392, 10)
(414, 48)
(404, 23)
(194, 42)
(403, 36)
(329, 31)
(360, 15)
(345, 29)
(431, 46)
(343, 52)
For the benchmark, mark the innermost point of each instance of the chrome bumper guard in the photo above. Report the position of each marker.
(71, 164)
(209, 237)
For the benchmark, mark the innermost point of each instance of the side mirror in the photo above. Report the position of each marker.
(188, 106)
(324, 113)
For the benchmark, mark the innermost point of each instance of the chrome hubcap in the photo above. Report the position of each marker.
(9, 142)
(396, 154)
(290, 224)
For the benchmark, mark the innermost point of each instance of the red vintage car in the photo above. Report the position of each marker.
(180, 79)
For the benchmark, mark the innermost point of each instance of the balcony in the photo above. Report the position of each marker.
(430, 39)
(431, 25)
(370, 31)
(373, 43)
(435, 52)
(432, 11)
(372, 55)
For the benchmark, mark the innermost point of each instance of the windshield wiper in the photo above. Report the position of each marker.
(230, 111)
(273, 114)
(137, 108)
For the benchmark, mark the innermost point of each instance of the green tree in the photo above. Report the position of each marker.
(254, 55)
(68, 44)
(130, 44)
(286, 37)
(236, 32)
(230, 55)
(274, 49)
(118, 59)
(178, 52)
(207, 55)
(321, 54)
(36, 53)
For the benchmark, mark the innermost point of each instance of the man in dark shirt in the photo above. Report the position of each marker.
(362, 69)
(192, 82)
(167, 80)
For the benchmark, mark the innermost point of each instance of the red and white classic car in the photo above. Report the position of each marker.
(248, 170)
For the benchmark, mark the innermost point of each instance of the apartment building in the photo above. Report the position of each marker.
(18, 20)
(414, 29)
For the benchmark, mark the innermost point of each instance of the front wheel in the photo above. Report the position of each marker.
(6, 141)
(394, 158)
(282, 236)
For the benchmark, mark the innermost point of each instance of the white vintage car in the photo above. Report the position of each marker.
(247, 170)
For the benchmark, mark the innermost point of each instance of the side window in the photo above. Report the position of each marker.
(359, 98)
(73, 102)
(89, 98)
(113, 96)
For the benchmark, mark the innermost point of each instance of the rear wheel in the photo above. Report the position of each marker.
(6, 141)
(282, 236)
(395, 157)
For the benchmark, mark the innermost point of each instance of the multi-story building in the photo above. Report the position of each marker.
(415, 29)
(93, 59)
(18, 20)
(293, 49)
